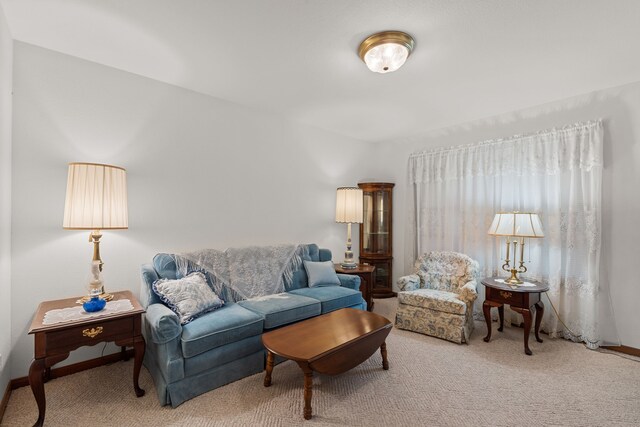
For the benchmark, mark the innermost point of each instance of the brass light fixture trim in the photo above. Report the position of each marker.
(397, 37)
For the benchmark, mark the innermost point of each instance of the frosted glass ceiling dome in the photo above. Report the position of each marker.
(386, 51)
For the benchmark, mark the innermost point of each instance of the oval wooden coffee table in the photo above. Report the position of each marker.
(329, 344)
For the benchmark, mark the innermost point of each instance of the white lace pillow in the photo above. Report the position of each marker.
(189, 297)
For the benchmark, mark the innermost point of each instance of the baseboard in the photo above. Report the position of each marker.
(632, 351)
(75, 368)
(5, 400)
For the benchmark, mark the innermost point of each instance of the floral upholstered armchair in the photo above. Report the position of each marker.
(438, 299)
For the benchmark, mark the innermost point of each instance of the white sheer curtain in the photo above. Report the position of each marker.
(455, 192)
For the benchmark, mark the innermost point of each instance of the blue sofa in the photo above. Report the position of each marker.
(225, 345)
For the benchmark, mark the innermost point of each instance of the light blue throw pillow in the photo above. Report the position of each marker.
(189, 297)
(321, 273)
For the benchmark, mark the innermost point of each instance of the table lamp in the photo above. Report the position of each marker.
(516, 225)
(349, 210)
(96, 200)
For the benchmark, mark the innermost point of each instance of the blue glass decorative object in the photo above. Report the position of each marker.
(94, 304)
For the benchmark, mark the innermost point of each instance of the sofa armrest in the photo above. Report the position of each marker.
(349, 281)
(468, 293)
(409, 283)
(163, 323)
(148, 276)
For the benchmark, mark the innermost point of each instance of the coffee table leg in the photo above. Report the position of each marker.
(308, 383)
(383, 352)
(267, 377)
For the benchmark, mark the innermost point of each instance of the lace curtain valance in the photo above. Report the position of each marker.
(548, 152)
(455, 192)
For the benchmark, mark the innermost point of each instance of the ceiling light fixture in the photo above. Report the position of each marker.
(386, 51)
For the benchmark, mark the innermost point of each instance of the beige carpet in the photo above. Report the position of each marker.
(431, 382)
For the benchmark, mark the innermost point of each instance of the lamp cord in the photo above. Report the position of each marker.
(558, 316)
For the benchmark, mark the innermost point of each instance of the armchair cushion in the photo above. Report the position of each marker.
(446, 302)
(409, 283)
(446, 271)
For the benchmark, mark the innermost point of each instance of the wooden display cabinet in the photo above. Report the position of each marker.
(376, 235)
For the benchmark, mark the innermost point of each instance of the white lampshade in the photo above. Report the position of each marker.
(96, 197)
(517, 224)
(349, 205)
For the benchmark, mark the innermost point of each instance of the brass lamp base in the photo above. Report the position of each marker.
(105, 296)
(514, 279)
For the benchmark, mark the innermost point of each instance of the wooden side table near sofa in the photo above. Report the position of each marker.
(53, 343)
(366, 273)
(521, 299)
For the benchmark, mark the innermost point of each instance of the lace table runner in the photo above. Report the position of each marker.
(520, 284)
(71, 314)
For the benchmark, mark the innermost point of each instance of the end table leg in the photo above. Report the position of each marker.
(383, 352)
(527, 330)
(486, 309)
(308, 383)
(539, 314)
(36, 377)
(501, 315)
(138, 348)
(267, 376)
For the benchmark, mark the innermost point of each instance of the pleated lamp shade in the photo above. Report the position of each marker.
(96, 197)
(349, 205)
(517, 224)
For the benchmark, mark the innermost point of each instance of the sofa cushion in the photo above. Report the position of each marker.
(446, 302)
(321, 273)
(226, 325)
(331, 297)
(281, 309)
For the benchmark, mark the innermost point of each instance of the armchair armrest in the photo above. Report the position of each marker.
(163, 323)
(468, 292)
(349, 281)
(409, 283)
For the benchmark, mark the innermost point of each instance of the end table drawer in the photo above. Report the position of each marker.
(506, 297)
(89, 334)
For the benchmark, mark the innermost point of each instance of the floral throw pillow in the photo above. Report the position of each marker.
(189, 297)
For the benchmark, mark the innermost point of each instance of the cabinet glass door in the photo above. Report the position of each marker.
(376, 222)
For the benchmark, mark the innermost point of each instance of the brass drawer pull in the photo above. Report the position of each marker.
(93, 332)
(506, 295)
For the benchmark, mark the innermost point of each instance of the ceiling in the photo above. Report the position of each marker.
(298, 58)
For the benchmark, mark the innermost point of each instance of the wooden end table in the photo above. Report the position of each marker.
(53, 343)
(521, 299)
(329, 344)
(366, 273)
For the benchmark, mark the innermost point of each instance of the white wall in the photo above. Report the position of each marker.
(620, 110)
(201, 173)
(6, 73)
